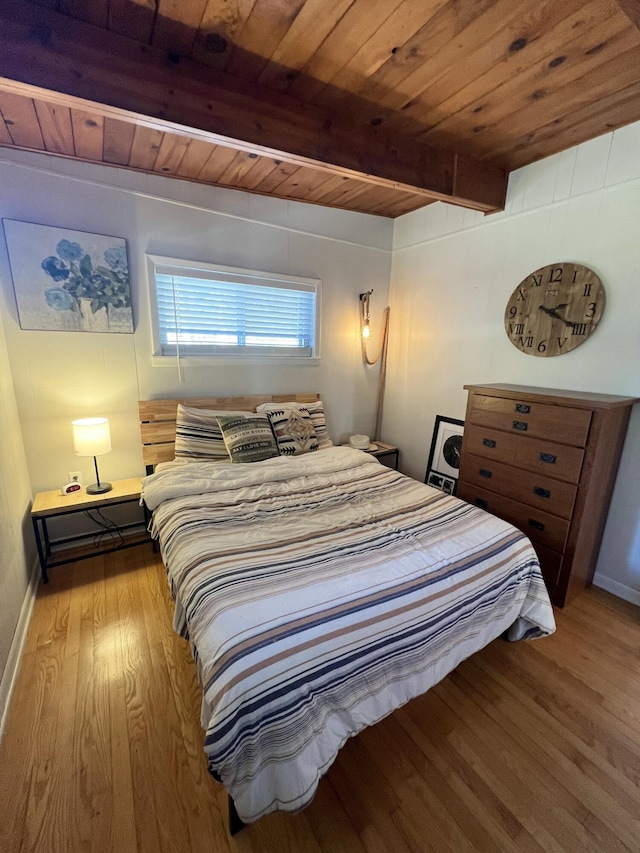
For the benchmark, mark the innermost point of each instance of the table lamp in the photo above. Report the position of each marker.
(91, 437)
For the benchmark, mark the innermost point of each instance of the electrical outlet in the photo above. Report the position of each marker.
(75, 477)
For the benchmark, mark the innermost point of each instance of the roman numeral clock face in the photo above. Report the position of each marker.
(554, 309)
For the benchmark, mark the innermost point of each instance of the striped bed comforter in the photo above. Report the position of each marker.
(321, 592)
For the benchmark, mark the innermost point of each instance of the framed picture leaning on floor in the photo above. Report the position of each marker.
(444, 457)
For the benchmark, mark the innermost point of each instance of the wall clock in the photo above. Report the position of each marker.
(554, 310)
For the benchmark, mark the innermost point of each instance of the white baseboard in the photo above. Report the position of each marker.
(12, 667)
(619, 589)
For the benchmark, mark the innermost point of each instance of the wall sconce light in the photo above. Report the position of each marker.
(365, 320)
(365, 335)
(91, 437)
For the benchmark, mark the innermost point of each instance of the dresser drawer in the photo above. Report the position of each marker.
(538, 420)
(490, 443)
(533, 489)
(559, 461)
(539, 526)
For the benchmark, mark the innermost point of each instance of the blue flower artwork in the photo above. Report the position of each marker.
(69, 280)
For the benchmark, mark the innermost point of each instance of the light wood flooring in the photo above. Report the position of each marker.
(532, 746)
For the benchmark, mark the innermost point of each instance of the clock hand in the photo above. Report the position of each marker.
(552, 312)
(560, 317)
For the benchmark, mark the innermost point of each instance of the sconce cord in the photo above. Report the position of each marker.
(383, 337)
(382, 354)
(177, 326)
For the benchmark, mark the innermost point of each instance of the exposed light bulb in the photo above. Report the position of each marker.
(365, 328)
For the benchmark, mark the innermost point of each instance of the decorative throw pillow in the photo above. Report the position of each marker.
(249, 438)
(198, 434)
(316, 410)
(294, 432)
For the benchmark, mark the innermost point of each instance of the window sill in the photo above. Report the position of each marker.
(212, 361)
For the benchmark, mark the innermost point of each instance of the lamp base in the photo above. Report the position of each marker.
(99, 488)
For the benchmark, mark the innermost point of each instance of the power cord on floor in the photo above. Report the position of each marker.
(109, 530)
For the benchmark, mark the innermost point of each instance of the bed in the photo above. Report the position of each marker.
(319, 592)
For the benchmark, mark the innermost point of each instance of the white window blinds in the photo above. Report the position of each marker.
(202, 310)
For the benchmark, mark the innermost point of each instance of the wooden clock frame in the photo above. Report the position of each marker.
(554, 309)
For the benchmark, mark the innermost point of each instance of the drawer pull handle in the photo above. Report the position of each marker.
(523, 408)
(549, 458)
(481, 503)
(541, 493)
(488, 442)
(521, 425)
(485, 473)
(538, 525)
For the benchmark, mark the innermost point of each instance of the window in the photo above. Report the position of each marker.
(206, 310)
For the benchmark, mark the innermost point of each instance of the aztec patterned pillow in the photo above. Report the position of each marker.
(316, 410)
(294, 432)
(248, 437)
(198, 434)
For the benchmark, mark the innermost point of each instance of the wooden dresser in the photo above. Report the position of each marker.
(546, 461)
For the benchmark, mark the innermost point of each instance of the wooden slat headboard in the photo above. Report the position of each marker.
(158, 418)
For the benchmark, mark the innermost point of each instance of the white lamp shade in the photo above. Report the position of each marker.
(91, 436)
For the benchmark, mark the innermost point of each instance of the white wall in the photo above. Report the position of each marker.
(452, 274)
(59, 376)
(16, 540)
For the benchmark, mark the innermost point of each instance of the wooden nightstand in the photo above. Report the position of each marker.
(52, 504)
(388, 454)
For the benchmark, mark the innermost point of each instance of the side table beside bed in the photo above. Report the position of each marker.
(388, 454)
(47, 505)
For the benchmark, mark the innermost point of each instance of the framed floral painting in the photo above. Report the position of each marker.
(67, 280)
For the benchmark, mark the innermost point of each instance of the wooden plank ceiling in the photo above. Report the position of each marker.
(380, 106)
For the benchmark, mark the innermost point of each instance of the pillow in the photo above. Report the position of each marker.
(248, 437)
(198, 434)
(316, 410)
(294, 432)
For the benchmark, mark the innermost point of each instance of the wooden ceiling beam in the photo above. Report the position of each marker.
(73, 63)
(631, 8)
